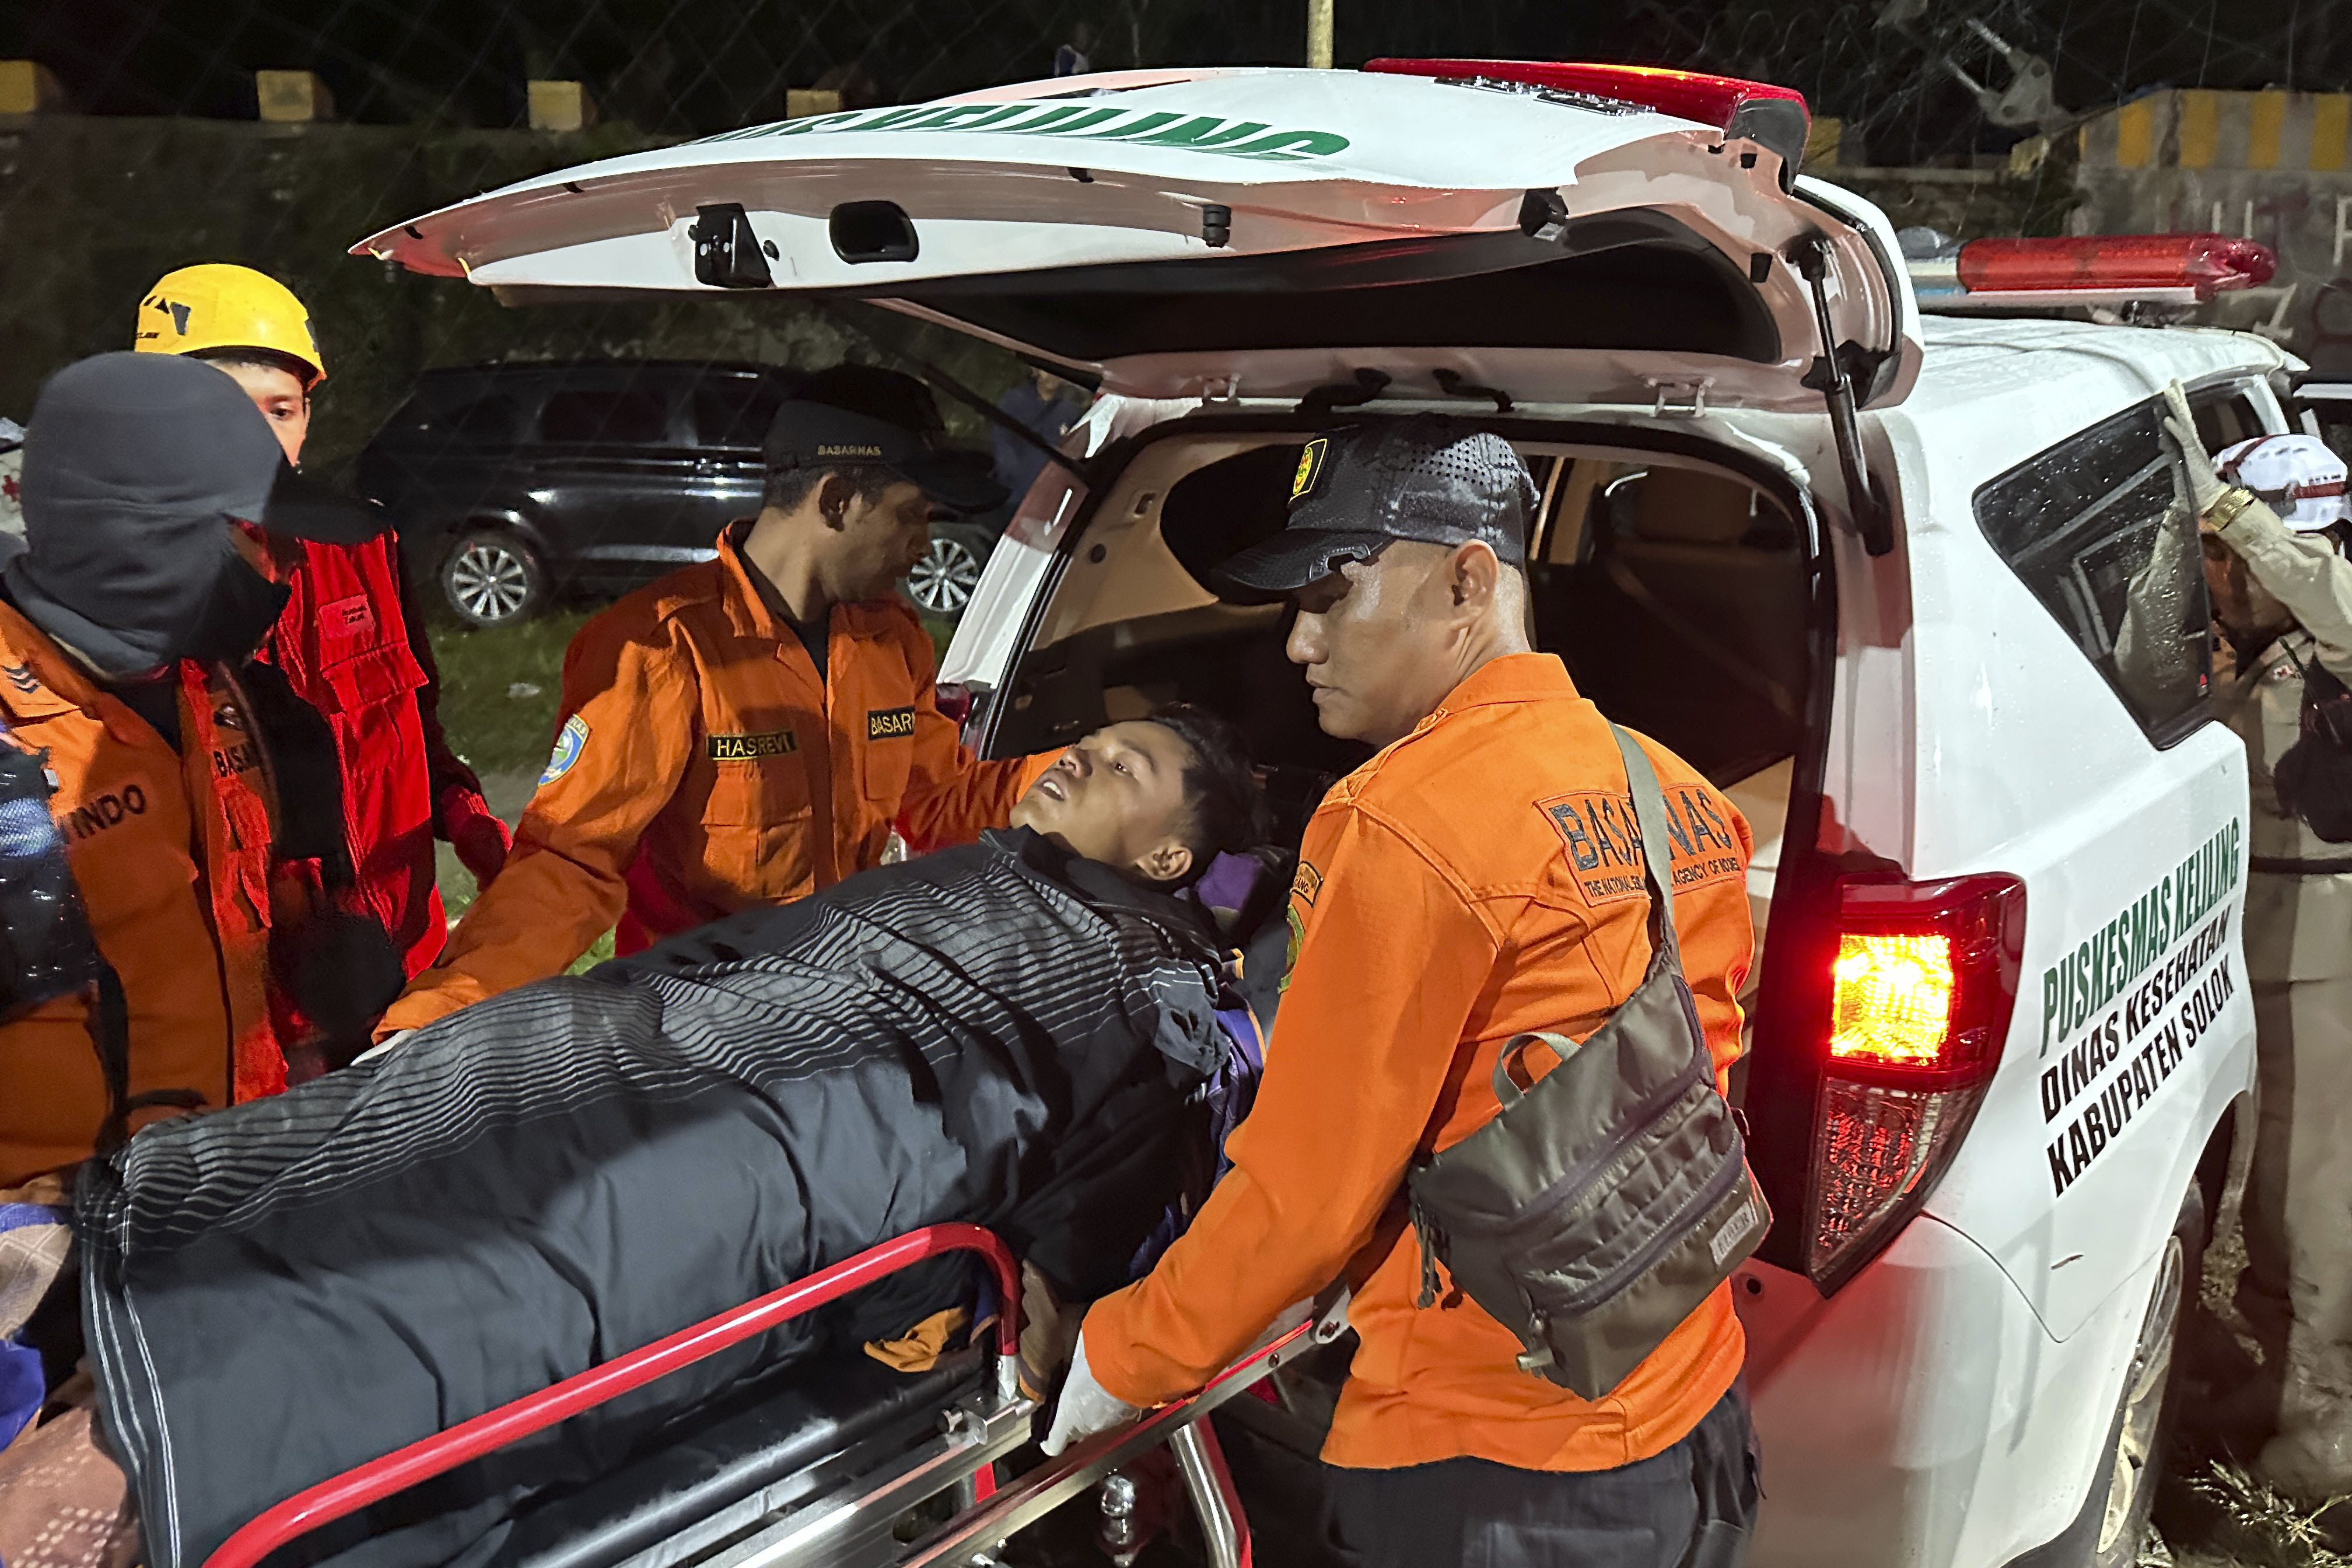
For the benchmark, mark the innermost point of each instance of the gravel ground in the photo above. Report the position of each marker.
(2211, 1512)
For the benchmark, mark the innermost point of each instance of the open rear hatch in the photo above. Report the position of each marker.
(1559, 232)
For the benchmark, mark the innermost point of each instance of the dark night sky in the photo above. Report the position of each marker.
(695, 66)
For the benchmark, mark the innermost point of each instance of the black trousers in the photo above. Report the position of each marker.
(1690, 1507)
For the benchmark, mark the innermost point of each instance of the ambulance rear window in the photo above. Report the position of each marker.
(2099, 528)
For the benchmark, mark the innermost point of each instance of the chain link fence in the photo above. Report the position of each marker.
(139, 135)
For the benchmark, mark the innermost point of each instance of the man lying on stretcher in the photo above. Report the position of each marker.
(1017, 1033)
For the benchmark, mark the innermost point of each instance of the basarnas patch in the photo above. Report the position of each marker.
(888, 723)
(568, 741)
(1605, 844)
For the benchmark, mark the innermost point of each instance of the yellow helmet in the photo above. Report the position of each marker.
(222, 306)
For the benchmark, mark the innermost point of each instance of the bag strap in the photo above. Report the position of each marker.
(1650, 817)
(1665, 947)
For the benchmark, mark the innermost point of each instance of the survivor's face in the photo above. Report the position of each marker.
(280, 395)
(1373, 637)
(1117, 796)
(880, 542)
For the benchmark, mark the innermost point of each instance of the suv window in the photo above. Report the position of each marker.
(468, 414)
(735, 413)
(2099, 527)
(2224, 419)
(631, 416)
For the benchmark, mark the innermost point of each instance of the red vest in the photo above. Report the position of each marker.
(345, 647)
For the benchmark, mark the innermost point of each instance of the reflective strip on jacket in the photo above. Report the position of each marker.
(170, 851)
(2297, 927)
(701, 767)
(1475, 880)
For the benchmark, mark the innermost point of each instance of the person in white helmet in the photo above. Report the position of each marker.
(2273, 520)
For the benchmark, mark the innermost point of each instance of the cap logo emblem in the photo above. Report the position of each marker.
(847, 449)
(174, 309)
(1310, 466)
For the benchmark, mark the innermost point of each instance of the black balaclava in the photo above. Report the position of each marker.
(131, 466)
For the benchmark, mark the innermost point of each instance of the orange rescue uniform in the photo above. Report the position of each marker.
(1468, 884)
(701, 767)
(170, 851)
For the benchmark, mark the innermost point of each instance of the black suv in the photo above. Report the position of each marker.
(512, 482)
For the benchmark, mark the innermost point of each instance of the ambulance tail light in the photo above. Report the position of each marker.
(1775, 118)
(1922, 980)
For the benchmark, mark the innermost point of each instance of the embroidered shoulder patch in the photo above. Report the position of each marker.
(1597, 829)
(569, 743)
(1306, 884)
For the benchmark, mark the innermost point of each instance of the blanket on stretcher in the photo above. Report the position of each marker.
(278, 1292)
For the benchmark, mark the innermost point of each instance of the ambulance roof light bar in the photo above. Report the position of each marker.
(1775, 118)
(2077, 270)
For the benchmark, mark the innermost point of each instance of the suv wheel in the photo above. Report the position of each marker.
(942, 581)
(494, 578)
(2144, 1427)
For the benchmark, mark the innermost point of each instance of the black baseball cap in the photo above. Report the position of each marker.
(301, 506)
(1429, 477)
(168, 436)
(854, 415)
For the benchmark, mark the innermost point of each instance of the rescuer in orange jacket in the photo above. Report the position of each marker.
(349, 642)
(1456, 890)
(152, 490)
(745, 732)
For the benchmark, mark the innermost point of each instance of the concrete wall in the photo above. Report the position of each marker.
(93, 210)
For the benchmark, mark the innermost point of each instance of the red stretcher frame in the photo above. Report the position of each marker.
(342, 1496)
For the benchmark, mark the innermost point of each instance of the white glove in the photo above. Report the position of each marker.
(1085, 1408)
(2205, 485)
(383, 1047)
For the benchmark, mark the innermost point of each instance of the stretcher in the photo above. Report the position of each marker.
(827, 1472)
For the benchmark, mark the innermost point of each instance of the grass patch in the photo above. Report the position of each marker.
(942, 630)
(499, 688)
(2264, 1529)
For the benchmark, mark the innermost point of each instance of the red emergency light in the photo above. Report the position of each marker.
(2207, 263)
(2092, 269)
(1775, 118)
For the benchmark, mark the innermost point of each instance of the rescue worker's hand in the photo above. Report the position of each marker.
(1085, 1408)
(480, 839)
(2205, 485)
(1049, 1331)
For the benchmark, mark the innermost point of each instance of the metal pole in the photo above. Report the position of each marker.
(1319, 34)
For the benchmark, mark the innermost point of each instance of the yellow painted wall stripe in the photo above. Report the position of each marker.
(2331, 121)
(2263, 132)
(2200, 127)
(2135, 134)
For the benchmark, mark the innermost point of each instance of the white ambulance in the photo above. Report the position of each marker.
(1928, 605)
